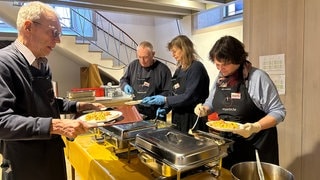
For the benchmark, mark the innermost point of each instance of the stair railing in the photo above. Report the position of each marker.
(103, 35)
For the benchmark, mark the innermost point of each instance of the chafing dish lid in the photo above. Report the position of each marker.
(131, 126)
(119, 129)
(176, 141)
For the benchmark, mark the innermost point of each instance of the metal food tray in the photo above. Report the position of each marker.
(128, 131)
(177, 149)
(222, 142)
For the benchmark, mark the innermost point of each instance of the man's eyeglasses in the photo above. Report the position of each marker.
(55, 32)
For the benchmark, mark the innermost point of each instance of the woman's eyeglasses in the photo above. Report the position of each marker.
(55, 32)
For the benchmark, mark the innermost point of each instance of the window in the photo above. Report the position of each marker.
(73, 21)
(4, 27)
(64, 14)
(221, 14)
(233, 9)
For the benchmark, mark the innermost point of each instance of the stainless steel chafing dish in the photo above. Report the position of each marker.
(122, 134)
(169, 152)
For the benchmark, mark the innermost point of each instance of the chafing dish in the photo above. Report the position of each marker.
(169, 152)
(122, 134)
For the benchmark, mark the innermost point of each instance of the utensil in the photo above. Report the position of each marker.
(260, 171)
(131, 103)
(248, 170)
(103, 109)
(194, 125)
(156, 120)
(101, 124)
(92, 110)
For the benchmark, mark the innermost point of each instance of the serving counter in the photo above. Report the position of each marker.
(94, 157)
(97, 161)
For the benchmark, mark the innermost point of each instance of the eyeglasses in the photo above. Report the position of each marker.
(55, 32)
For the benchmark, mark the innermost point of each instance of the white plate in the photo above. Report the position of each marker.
(113, 115)
(215, 125)
(131, 103)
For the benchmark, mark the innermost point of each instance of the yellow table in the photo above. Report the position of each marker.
(94, 161)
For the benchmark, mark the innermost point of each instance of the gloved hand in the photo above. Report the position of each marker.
(161, 112)
(146, 100)
(128, 89)
(156, 100)
(199, 110)
(248, 129)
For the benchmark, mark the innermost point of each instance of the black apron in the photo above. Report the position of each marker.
(235, 104)
(143, 86)
(143, 82)
(37, 159)
(183, 117)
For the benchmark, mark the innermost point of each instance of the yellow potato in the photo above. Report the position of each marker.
(221, 124)
(97, 116)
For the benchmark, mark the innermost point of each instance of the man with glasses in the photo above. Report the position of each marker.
(55, 32)
(30, 124)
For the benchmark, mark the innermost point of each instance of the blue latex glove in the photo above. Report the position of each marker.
(128, 89)
(161, 112)
(146, 100)
(156, 100)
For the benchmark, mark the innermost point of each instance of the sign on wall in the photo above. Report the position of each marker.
(274, 65)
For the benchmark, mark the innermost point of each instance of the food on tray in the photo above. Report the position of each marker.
(223, 125)
(97, 116)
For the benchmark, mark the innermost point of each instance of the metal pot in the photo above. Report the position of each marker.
(248, 171)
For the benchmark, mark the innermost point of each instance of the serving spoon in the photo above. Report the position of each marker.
(194, 125)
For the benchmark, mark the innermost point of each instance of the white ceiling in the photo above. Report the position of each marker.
(170, 8)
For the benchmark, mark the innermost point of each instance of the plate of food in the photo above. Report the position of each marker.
(226, 126)
(100, 116)
(132, 103)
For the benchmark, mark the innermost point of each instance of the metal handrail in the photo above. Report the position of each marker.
(106, 37)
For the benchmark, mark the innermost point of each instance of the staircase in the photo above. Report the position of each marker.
(109, 47)
(80, 52)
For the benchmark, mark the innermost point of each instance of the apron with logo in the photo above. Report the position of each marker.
(235, 104)
(144, 86)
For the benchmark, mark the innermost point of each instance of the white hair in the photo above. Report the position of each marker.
(32, 11)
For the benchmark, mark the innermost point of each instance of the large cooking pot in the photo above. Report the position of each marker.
(248, 171)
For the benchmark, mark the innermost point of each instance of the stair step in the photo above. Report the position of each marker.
(83, 53)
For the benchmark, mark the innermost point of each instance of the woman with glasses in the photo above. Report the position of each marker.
(247, 95)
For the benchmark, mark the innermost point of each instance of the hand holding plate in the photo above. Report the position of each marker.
(248, 129)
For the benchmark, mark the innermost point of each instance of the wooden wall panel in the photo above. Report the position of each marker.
(311, 88)
(276, 27)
